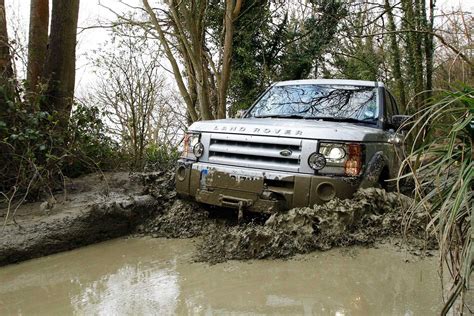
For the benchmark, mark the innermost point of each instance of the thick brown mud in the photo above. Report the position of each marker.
(371, 215)
(148, 276)
(182, 219)
(100, 207)
(92, 209)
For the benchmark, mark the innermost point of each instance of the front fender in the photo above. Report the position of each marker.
(374, 169)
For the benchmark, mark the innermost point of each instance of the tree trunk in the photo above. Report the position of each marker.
(395, 54)
(6, 69)
(7, 83)
(190, 102)
(414, 54)
(231, 13)
(60, 68)
(429, 50)
(38, 41)
(205, 91)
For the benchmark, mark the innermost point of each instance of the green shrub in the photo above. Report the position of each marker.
(441, 164)
(162, 157)
(89, 145)
(35, 157)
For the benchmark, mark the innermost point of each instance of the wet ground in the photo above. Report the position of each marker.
(159, 276)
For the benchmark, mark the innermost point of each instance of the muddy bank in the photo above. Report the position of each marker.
(92, 209)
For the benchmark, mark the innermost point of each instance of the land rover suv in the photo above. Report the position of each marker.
(301, 143)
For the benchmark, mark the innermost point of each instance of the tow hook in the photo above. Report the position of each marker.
(233, 202)
(240, 215)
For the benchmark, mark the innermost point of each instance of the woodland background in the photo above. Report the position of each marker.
(168, 63)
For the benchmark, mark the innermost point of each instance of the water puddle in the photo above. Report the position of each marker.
(157, 276)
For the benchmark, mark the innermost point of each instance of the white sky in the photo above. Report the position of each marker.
(91, 11)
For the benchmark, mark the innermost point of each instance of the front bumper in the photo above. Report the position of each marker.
(259, 190)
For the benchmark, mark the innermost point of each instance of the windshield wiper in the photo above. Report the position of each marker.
(281, 116)
(339, 119)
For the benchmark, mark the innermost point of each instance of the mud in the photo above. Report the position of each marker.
(101, 207)
(183, 219)
(373, 214)
(92, 209)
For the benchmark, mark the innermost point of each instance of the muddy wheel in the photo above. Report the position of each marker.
(384, 183)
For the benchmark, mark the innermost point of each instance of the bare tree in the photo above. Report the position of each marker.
(139, 105)
(456, 28)
(205, 92)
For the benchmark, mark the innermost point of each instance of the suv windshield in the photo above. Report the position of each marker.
(325, 102)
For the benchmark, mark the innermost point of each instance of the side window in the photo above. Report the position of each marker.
(394, 104)
(388, 106)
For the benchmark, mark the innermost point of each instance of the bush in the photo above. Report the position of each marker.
(35, 156)
(89, 145)
(442, 167)
(160, 157)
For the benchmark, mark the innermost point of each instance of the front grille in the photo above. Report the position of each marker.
(255, 152)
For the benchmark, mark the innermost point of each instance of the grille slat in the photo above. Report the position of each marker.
(255, 152)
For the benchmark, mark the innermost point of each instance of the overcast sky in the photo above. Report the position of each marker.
(92, 11)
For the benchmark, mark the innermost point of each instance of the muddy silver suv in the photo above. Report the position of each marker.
(302, 142)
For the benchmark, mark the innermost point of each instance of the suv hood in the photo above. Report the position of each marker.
(293, 128)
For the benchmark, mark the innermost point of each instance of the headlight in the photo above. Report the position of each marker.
(334, 153)
(341, 158)
(190, 140)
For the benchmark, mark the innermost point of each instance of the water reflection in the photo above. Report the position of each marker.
(131, 290)
(152, 276)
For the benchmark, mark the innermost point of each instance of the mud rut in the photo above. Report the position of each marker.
(372, 215)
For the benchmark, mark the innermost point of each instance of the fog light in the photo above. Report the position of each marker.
(316, 161)
(326, 191)
(181, 173)
(198, 150)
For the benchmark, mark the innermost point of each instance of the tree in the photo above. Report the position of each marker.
(395, 56)
(60, 67)
(132, 92)
(277, 41)
(450, 67)
(7, 86)
(205, 93)
(6, 70)
(38, 41)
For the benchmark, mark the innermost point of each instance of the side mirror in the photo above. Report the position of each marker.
(240, 113)
(398, 121)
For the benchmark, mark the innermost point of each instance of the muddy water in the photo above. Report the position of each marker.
(157, 276)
